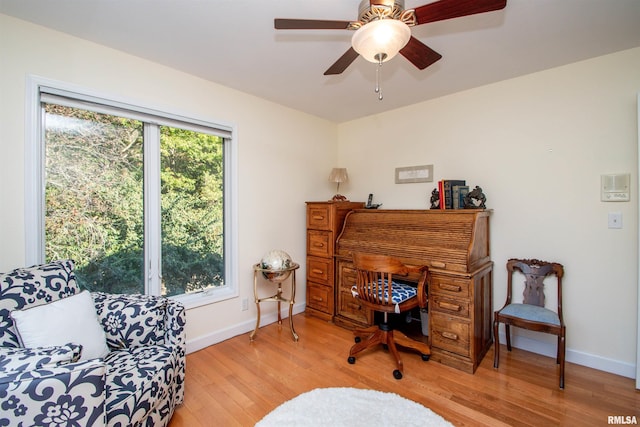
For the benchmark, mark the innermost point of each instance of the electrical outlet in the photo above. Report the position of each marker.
(245, 304)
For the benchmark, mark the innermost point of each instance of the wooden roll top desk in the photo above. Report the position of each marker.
(455, 246)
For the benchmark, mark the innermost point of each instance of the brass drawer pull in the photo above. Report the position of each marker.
(318, 217)
(452, 288)
(449, 306)
(315, 298)
(450, 335)
(318, 244)
(438, 264)
(316, 271)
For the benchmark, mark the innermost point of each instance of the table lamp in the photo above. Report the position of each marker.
(338, 175)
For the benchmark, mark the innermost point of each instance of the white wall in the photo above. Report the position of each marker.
(284, 156)
(537, 145)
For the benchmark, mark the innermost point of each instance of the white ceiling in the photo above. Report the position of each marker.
(233, 42)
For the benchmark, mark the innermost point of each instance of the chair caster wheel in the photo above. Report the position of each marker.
(425, 357)
(351, 360)
(397, 374)
(357, 339)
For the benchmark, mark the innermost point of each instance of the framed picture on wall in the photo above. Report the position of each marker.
(411, 174)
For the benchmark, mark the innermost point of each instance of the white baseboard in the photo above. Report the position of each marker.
(578, 357)
(239, 329)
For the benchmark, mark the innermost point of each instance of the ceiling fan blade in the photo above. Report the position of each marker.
(419, 54)
(343, 62)
(447, 9)
(309, 24)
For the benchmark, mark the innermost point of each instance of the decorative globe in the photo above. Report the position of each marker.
(276, 261)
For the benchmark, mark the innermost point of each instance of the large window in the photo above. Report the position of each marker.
(138, 198)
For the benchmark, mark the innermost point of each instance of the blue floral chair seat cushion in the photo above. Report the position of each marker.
(139, 385)
(400, 293)
(531, 312)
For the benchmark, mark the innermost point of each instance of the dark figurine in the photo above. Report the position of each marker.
(475, 199)
(435, 199)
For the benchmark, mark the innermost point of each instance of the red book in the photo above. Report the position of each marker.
(441, 193)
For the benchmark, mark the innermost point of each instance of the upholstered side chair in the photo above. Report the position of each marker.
(532, 314)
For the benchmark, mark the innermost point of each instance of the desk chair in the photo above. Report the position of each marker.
(374, 283)
(531, 313)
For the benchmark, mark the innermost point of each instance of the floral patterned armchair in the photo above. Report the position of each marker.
(138, 383)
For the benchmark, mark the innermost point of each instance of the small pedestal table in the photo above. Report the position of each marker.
(275, 276)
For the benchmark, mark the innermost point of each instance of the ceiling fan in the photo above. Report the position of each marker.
(390, 19)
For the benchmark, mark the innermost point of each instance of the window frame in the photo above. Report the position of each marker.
(34, 190)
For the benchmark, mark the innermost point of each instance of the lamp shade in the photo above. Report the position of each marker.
(338, 175)
(381, 40)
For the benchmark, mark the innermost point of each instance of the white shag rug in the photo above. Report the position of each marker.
(344, 406)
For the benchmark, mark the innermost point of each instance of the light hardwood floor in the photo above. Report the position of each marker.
(236, 383)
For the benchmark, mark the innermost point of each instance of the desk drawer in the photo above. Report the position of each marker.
(320, 243)
(445, 285)
(320, 297)
(450, 333)
(347, 277)
(351, 308)
(449, 305)
(320, 269)
(319, 216)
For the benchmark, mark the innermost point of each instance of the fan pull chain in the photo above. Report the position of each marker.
(378, 89)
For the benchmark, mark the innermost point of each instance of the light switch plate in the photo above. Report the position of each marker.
(615, 219)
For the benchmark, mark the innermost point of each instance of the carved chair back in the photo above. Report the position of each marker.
(535, 272)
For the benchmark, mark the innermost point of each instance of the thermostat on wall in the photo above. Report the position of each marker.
(615, 187)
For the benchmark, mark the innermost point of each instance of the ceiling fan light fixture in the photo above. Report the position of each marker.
(380, 40)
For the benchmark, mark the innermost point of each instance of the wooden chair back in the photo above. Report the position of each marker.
(374, 281)
(535, 272)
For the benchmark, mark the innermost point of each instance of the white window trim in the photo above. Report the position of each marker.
(152, 206)
(35, 191)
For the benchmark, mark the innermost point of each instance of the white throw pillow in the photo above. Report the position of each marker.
(71, 319)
